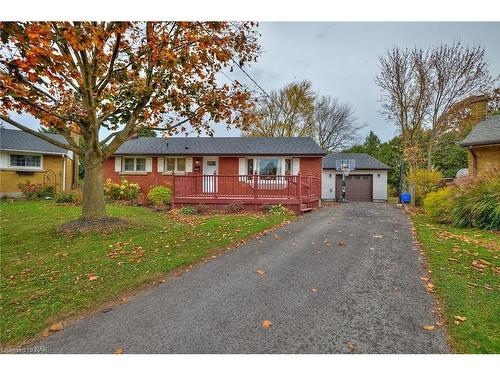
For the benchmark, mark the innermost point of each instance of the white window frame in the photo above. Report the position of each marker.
(135, 165)
(280, 172)
(25, 168)
(176, 168)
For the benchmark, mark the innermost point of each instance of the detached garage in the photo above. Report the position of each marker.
(366, 183)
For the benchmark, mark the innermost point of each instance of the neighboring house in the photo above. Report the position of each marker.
(483, 142)
(366, 183)
(219, 171)
(24, 157)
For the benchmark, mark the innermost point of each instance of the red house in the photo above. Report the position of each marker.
(219, 171)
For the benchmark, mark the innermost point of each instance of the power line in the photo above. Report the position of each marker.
(234, 61)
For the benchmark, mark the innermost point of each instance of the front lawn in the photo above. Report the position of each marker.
(465, 271)
(46, 276)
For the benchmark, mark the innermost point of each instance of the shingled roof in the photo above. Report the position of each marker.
(18, 140)
(486, 132)
(362, 161)
(229, 146)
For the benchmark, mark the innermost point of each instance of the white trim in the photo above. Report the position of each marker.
(145, 171)
(64, 174)
(11, 167)
(149, 165)
(118, 164)
(32, 152)
(160, 165)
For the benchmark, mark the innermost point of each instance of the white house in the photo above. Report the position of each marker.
(366, 183)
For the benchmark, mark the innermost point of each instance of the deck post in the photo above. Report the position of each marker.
(255, 185)
(300, 186)
(215, 184)
(310, 185)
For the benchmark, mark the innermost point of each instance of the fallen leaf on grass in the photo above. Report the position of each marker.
(118, 351)
(92, 277)
(261, 272)
(267, 324)
(459, 319)
(55, 327)
(429, 328)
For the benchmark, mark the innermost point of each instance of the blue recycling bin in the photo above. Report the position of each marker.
(405, 197)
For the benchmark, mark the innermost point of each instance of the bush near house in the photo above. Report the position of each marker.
(471, 202)
(160, 195)
(67, 197)
(125, 190)
(424, 181)
(35, 191)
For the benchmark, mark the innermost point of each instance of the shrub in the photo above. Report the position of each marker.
(425, 181)
(160, 195)
(276, 209)
(234, 207)
(202, 209)
(123, 191)
(29, 190)
(67, 197)
(477, 202)
(188, 210)
(438, 204)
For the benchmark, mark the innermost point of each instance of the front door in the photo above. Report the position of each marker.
(328, 185)
(209, 179)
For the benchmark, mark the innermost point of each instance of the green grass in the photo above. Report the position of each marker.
(45, 275)
(462, 288)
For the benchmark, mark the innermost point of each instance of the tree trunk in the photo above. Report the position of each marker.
(93, 188)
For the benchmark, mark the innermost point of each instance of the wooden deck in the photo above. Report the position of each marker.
(299, 193)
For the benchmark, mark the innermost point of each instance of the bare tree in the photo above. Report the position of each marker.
(404, 82)
(456, 72)
(287, 113)
(335, 126)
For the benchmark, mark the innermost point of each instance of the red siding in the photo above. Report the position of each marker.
(227, 166)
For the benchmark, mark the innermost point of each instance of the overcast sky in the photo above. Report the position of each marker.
(341, 59)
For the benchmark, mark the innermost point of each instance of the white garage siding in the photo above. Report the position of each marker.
(379, 184)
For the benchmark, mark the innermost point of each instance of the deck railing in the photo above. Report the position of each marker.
(246, 186)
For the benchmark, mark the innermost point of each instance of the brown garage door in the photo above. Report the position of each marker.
(358, 188)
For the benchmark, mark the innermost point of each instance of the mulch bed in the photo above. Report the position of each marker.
(102, 225)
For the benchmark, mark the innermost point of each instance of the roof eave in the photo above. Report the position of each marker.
(481, 143)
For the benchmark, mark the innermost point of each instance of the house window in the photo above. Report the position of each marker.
(268, 167)
(25, 161)
(134, 165)
(288, 167)
(175, 165)
(250, 166)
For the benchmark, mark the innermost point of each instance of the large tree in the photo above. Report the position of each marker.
(404, 83)
(81, 77)
(456, 73)
(335, 125)
(288, 112)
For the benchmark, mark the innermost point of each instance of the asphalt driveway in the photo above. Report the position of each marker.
(340, 280)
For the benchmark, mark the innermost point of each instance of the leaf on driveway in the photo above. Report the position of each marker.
(377, 236)
(430, 287)
(267, 324)
(350, 346)
(277, 237)
(429, 328)
(118, 351)
(261, 272)
(341, 243)
(314, 290)
(55, 327)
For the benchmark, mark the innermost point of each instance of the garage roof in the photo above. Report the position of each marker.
(362, 160)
